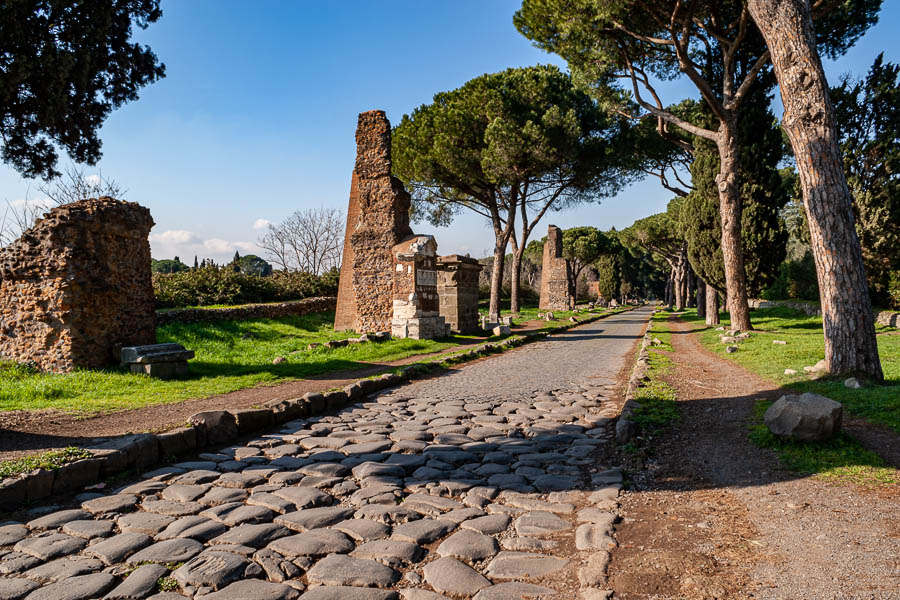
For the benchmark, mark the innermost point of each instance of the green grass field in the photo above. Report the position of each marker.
(841, 459)
(658, 407)
(805, 347)
(230, 355)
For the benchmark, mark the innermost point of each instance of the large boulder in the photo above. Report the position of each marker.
(806, 418)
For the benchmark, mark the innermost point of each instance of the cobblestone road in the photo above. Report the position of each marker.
(478, 484)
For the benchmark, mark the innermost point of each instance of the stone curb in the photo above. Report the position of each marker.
(219, 427)
(625, 427)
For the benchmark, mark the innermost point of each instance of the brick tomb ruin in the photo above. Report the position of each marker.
(555, 274)
(76, 287)
(457, 288)
(389, 276)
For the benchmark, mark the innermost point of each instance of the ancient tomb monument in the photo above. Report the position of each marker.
(385, 267)
(555, 292)
(76, 287)
(416, 311)
(457, 288)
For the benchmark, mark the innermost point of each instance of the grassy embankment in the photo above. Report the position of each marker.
(841, 459)
(230, 355)
(658, 408)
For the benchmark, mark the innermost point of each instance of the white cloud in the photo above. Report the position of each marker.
(175, 236)
(93, 179)
(218, 246)
(261, 224)
(247, 247)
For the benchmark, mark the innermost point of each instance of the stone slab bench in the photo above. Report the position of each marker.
(162, 361)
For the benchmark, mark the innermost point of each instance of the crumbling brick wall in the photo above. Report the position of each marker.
(377, 220)
(555, 292)
(76, 286)
(458, 290)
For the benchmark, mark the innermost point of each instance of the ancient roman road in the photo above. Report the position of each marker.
(482, 483)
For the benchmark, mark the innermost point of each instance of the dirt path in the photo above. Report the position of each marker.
(712, 516)
(25, 432)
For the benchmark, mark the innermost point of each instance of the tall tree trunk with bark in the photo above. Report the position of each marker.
(712, 305)
(850, 342)
(514, 277)
(497, 280)
(728, 181)
(669, 281)
(701, 299)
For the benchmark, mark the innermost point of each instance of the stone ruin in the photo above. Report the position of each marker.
(416, 311)
(556, 293)
(76, 287)
(457, 287)
(388, 275)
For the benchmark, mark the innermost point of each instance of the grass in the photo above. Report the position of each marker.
(51, 460)
(841, 459)
(230, 355)
(805, 347)
(656, 398)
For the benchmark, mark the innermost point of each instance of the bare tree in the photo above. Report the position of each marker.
(310, 241)
(74, 185)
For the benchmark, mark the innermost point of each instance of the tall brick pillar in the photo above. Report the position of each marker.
(555, 293)
(377, 220)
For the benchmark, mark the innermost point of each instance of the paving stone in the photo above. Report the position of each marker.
(487, 524)
(105, 505)
(363, 530)
(393, 553)
(606, 477)
(591, 536)
(304, 497)
(57, 519)
(528, 502)
(254, 589)
(12, 533)
(196, 527)
(555, 482)
(523, 565)
(596, 515)
(277, 567)
(212, 569)
(81, 587)
(217, 496)
(317, 542)
(468, 545)
(14, 588)
(196, 476)
(61, 568)
(461, 515)
(540, 523)
(168, 551)
(139, 584)
(424, 531)
(252, 535)
(142, 488)
(119, 547)
(312, 518)
(431, 505)
(414, 594)
(528, 544)
(593, 572)
(142, 522)
(89, 529)
(449, 576)
(515, 590)
(327, 592)
(239, 480)
(271, 501)
(181, 492)
(341, 570)
(237, 513)
(171, 508)
(48, 547)
(16, 562)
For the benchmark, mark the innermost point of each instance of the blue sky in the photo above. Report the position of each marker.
(256, 116)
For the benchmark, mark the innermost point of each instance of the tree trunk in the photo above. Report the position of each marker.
(850, 342)
(701, 299)
(678, 284)
(496, 281)
(514, 276)
(712, 305)
(669, 281)
(728, 181)
(689, 290)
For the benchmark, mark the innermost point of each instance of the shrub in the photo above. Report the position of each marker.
(894, 290)
(796, 281)
(223, 285)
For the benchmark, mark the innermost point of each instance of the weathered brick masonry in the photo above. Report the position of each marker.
(555, 292)
(377, 220)
(457, 288)
(76, 286)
